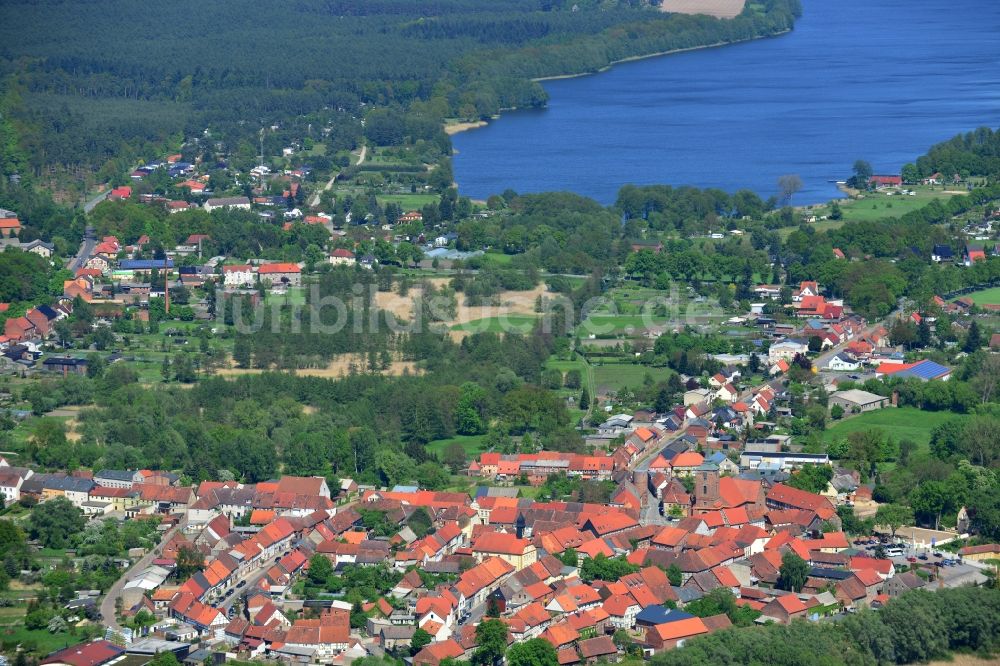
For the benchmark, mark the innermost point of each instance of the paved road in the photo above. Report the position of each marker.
(96, 199)
(108, 603)
(251, 580)
(82, 255)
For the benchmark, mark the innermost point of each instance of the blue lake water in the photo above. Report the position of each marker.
(880, 80)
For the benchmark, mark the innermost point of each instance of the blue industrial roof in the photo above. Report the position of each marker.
(924, 370)
(144, 264)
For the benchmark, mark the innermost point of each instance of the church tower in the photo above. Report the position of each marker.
(706, 487)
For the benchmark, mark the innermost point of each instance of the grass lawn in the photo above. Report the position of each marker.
(902, 423)
(822, 225)
(38, 641)
(294, 296)
(877, 205)
(615, 376)
(497, 258)
(407, 201)
(602, 324)
(317, 149)
(566, 366)
(986, 296)
(509, 324)
(471, 444)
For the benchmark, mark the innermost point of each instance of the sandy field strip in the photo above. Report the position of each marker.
(339, 367)
(716, 8)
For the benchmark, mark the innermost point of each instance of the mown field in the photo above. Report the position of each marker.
(901, 423)
(471, 444)
(616, 376)
(502, 324)
(986, 296)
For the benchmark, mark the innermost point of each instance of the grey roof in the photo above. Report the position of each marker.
(444, 566)
(68, 484)
(115, 474)
(398, 631)
(64, 360)
(831, 574)
(486, 491)
(659, 615)
(786, 454)
(858, 397)
(229, 201)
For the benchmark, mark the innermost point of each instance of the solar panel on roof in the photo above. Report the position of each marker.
(924, 370)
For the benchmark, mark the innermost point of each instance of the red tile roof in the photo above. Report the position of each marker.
(86, 654)
(267, 269)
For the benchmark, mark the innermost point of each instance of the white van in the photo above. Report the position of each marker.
(894, 551)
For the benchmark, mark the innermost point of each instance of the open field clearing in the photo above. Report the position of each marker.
(716, 8)
(901, 423)
(612, 377)
(513, 311)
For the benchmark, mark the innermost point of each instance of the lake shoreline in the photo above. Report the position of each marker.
(464, 126)
(714, 45)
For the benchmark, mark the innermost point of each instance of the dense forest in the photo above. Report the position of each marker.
(141, 76)
(918, 627)
(974, 153)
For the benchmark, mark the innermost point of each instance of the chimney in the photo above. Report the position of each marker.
(166, 285)
(895, 398)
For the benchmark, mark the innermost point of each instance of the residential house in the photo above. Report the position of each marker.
(227, 203)
(786, 350)
(785, 608)
(281, 274)
(843, 362)
(237, 275)
(519, 553)
(342, 257)
(118, 478)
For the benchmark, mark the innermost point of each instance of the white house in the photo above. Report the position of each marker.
(786, 349)
(41, 248)
(227, 202)
(238, 275)
(342, 257)
(695, 396)
(10, 486)
(843, 363)
(728, 393)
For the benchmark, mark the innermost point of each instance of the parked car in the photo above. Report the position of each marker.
(911, 559)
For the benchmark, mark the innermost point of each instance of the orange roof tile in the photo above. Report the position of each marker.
(691, 626)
